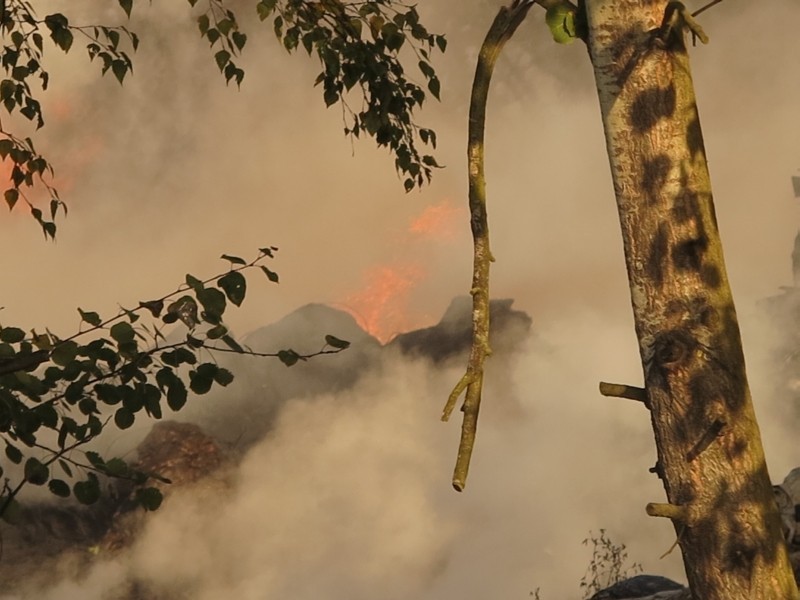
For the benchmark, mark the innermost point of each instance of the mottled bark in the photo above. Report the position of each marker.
(710, 455)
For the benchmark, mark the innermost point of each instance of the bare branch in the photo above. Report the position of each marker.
(501, 30)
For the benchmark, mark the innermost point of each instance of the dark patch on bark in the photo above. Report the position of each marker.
(657, 256)
(654, 175)
(711, 275)
(739, 447)
(708, 317)
(688, 255)
(624, 54)
(650, 106)
(694, 138)
(740, 551)
(685, 205)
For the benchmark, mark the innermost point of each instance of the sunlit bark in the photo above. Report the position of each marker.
(710, 455)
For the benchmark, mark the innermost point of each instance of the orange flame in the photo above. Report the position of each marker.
(437, 221)
(381, 306)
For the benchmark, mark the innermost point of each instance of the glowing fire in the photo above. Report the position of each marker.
(71, 168)
(438, 221)
(381, 306)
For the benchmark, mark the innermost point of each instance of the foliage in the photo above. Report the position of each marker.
(358, 44)
(561, 19)
(608, 564)
(58, 394)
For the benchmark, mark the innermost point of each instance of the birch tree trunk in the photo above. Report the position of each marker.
(710, 455)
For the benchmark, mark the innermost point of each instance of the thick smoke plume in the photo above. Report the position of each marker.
(345, 494)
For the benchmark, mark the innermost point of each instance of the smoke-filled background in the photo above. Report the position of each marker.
(348, 495)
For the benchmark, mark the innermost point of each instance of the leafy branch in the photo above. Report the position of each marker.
(358, 45)
(117, 369)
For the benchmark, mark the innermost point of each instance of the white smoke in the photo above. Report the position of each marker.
(349, 496)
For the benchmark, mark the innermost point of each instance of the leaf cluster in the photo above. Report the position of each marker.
(358, 45)
(220, 27)
(22, 61)
(114, 370)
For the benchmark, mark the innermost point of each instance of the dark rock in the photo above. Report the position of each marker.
(452, 336)
(639, 586)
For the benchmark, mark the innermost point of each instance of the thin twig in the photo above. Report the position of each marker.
(706, 7)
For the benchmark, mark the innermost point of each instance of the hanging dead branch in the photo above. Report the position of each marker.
(503, 27)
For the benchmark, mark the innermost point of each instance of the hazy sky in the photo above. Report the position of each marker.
(168, 172)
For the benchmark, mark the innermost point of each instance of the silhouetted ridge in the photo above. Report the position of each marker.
(452, 336)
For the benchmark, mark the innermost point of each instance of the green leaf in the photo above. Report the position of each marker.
(234, 259)
(120, 68)
(124, 418)
(265, 8)
(95, 459)
(176, 395)
(116, 467)
(59, 487)
(335, 342)
(87, 492)
(434, 85)
(13, 453)
(92, 318)
(288, 357)
(235, 286)
(216, 332)
(203, 24)
(213, 302)
(194, 342)
(239, 39)
(7, 88)
(426, 69)
(36, 473)
(560, 18)
(194, 283)
(268, 251)
(222, 58)
(126, 5)
(65, 467)
(223, 377)
(185, 309)
(271, 275)
(64, 353)
(149, 498)
(154, 306)
(331, 96)
(212, 35)
(63, 39)
(232, 343)
(202, 378)
(11, 335)
(224, 26)
(122, 332)
(47, 414)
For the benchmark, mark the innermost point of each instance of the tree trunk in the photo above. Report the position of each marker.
(710, 456)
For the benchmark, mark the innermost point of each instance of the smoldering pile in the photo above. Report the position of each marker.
(52, 542)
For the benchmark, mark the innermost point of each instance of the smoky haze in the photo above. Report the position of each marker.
(348, 496)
